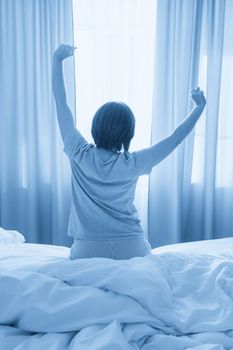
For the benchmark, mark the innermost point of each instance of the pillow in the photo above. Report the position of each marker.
(10, 237)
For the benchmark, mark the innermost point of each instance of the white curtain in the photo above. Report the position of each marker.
(114, 62)
(34, 172)
(191, 192)
(212, 180)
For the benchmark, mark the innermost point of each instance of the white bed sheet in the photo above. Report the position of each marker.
(206, 246)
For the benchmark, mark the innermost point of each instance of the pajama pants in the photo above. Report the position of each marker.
(118, 249)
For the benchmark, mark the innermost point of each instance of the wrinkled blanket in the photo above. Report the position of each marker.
(171, 300)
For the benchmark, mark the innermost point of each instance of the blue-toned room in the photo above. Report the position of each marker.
(116, 174)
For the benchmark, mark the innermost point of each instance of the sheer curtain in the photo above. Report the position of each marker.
(114, 62)
(212, 176)
(190, 193)
(176, 73)
(34, 172)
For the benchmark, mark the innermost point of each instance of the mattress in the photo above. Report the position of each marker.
(180, 297)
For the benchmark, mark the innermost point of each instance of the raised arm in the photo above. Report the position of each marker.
(188, 124)
(65, 117)
(162, 149)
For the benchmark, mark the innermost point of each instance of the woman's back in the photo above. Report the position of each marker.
(103, 190)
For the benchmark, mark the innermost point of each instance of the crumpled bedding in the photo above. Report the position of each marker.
(170, 300)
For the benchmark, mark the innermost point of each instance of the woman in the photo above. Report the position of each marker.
(103, 220)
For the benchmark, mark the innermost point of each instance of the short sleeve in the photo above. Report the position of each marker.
(143, 161)
(73, 141)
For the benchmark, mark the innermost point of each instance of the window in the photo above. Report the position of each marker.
(115, 60)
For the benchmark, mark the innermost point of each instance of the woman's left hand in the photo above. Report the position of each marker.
(198, 97)
(64, 51)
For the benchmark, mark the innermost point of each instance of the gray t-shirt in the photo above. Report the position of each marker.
(103, 189)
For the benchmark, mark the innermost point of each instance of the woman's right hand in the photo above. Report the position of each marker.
(198, 97)
(64, 51)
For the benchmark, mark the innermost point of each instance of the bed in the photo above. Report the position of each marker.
(180, 297)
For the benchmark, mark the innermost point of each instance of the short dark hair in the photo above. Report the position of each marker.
(113, 126)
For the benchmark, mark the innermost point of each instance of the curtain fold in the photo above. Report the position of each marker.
(215, 16)
(211, 205)
(190, 193)
(177, 48)
(34, 172)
